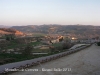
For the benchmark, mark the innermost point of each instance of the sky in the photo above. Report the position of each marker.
(38, 12)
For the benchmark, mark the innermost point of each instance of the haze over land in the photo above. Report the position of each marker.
(79, 31)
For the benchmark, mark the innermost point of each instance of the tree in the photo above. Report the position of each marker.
(98, 43)
(9, 37)
(61, 39)
(28, 50)
(52, 49)
(66, 45)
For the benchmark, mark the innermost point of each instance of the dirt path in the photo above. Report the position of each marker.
(84, 62)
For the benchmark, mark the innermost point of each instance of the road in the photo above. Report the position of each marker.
(84, 62)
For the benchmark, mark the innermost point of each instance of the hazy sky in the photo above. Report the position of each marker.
(36, 12)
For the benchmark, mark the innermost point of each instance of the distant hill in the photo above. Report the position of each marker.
(4, 26)
(79, 30)
(4, 31)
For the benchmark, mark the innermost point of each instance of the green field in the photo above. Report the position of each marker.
(9, 58)
(13, 44)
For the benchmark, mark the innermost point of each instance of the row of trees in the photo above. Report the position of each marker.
(9, 37)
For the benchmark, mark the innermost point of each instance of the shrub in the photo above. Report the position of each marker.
(2, 62)
(98, 43)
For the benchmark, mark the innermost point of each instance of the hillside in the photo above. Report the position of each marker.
(4, 26)
(84, 62)
(4, 31)
(75, 30)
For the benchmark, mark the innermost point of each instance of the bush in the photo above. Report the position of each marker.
(28, 50)
(2, 62)
(7, 60)
(98, 43)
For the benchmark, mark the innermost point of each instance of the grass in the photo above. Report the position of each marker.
(35, 43)
(41, 50)
(19, 57)
(57, 44)
(13, 44)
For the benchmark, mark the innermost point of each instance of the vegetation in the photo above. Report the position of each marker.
(78, 30)
(98, 43)
(8, 58)
(14, 44)
(26, 46)
(10, 37)
(28, 50)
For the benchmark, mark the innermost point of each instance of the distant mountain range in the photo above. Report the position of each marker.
(73, 30)
(4, 26)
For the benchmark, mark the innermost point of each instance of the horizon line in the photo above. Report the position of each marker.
(52, 24)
